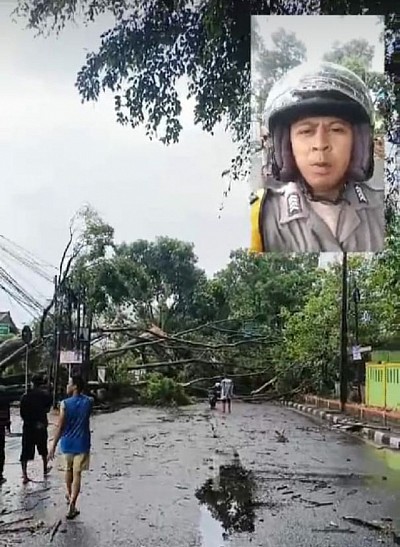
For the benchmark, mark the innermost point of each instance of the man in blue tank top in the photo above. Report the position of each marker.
(74, 431)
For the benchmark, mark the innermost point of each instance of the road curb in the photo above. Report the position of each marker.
(378, 437)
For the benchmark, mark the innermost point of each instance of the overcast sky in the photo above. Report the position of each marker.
(319, 32)
(58, 154)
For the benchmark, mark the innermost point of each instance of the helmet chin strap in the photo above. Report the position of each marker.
(310, 195)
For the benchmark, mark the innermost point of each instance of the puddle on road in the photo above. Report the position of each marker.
(391, 462)
(212, 532)
(226, 504)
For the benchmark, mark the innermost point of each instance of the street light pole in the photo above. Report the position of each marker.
(343, 337)
(356, 300)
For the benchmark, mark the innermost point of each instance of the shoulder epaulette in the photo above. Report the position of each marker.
(256, 242)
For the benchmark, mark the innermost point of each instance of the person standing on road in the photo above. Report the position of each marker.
(226, 393)
(34, 407)
(5, 427)
(74, 431)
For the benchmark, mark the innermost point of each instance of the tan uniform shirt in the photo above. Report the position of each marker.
(290, 222)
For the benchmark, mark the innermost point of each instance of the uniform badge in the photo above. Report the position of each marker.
(253, 198)
(293, 204)
(362, 198)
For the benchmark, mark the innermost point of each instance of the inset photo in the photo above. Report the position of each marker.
(318, 136)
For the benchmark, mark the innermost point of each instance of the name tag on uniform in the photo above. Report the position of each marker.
(362, 198)
(293, 204)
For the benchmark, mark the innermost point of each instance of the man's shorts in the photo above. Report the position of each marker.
(76, 462)
(33, 436)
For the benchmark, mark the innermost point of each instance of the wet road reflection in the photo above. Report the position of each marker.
(229, 497)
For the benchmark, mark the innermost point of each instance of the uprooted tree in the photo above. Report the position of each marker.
(269, 321)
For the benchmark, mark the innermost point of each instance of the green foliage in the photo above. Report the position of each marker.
(283, 311)
(169, 281)
(161, 390)
(287, 52)
(151, 47)
(358, 49)
(261, 286)
(311, 335)
(154, 47)
(118, 372)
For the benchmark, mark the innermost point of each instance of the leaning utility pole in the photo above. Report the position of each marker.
(343, 337)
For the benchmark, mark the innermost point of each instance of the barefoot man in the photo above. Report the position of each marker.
(74, 431)
(34, 406)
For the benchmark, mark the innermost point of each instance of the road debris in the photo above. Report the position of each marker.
(281, 437)
(54, 529)
(370, 524)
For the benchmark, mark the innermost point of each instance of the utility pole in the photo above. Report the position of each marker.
(56, 359)
(86, 336)
(356, 300)
(343, 337)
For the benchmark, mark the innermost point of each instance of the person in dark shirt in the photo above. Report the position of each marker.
(5, 426)
(35, 404)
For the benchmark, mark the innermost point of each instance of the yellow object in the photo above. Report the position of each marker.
(256, 243)
(382, 385)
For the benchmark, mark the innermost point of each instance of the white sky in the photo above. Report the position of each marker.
(318, 32)
(58, 154)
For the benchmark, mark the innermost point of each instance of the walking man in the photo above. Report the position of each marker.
(34, 406)
(226, 393)
(5, 427)
(74, 431)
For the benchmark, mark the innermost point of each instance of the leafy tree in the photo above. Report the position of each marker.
(287, 52)
(153, 45)
(357, 55)
(311, 335)
(260, 286)
(170, 278)
(358, 49)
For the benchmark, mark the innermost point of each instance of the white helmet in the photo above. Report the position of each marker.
(320, 89)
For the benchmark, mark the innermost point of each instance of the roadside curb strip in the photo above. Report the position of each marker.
(377, 437)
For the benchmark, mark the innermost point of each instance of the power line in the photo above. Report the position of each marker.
(10, 267)
(11, 282)
(17, 300)
(26, 262)
(39, 261)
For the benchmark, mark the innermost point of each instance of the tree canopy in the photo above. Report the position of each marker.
(153, 46)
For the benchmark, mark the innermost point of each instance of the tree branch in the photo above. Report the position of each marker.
(180, 362)
(71, 236)
(243, 375)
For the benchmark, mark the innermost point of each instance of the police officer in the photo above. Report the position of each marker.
(326, 196)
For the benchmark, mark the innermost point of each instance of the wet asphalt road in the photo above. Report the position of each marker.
(195, 478)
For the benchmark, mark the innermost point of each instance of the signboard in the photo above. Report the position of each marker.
(363, 349)
(356, 350)
(4, 329)
(70, 357)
